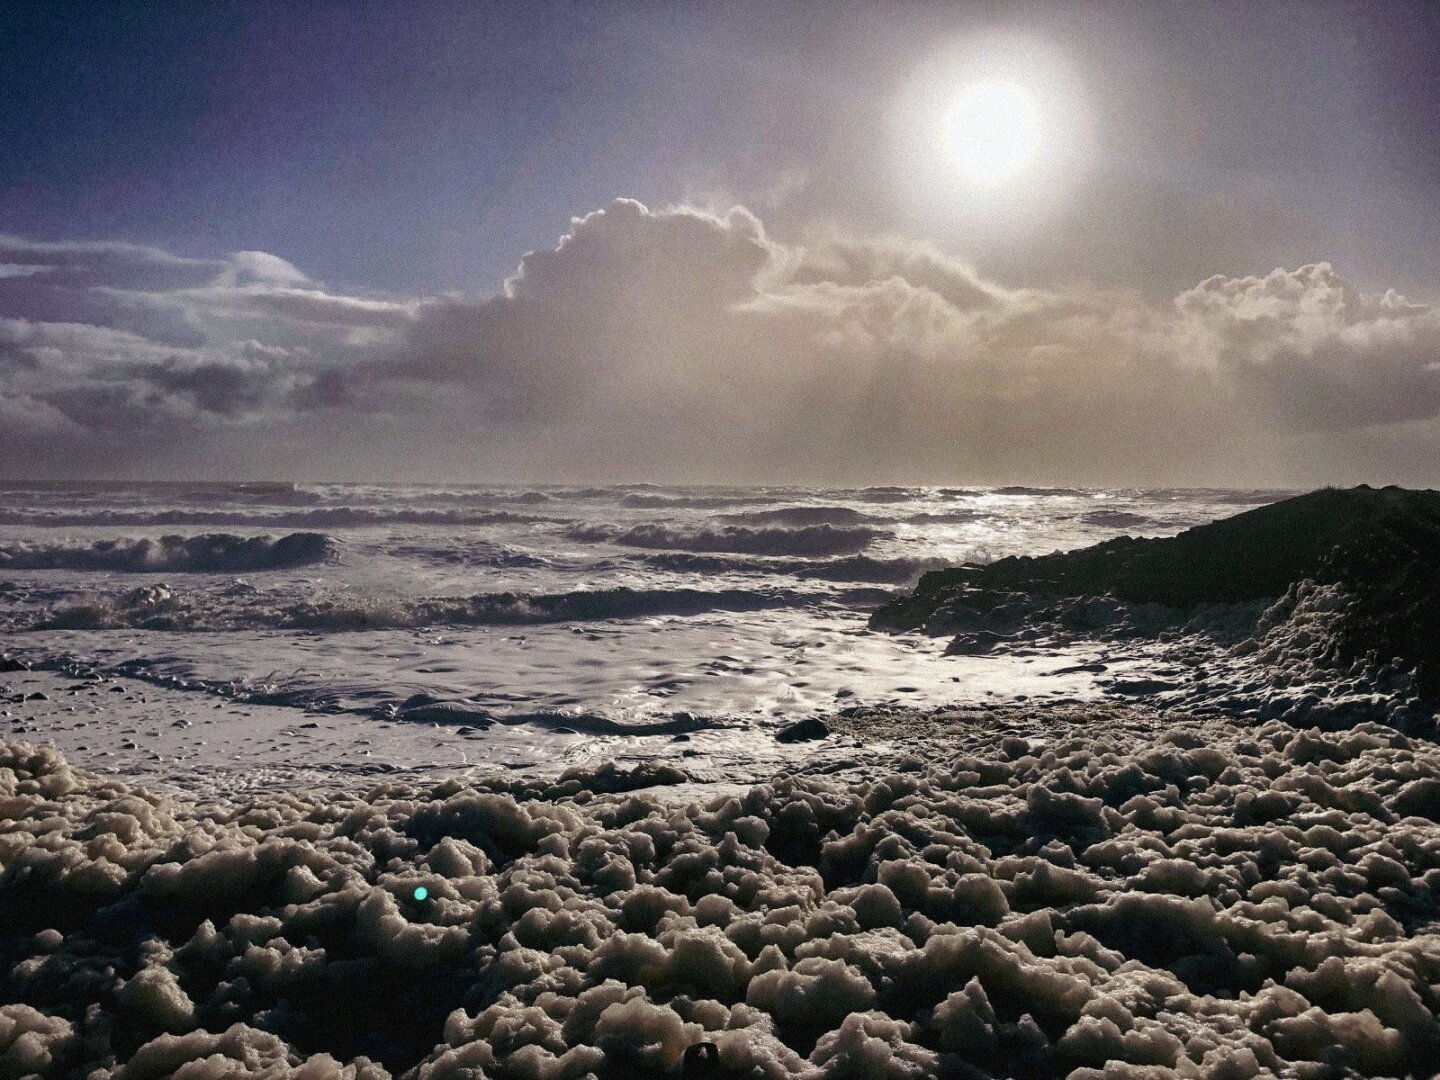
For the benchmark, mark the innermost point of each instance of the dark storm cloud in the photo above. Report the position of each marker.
(683, 344)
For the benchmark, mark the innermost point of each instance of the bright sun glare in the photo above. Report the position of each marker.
(993, 130)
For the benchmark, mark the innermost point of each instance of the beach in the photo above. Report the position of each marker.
(956, 829)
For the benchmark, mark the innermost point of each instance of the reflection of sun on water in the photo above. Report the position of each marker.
(993, 130)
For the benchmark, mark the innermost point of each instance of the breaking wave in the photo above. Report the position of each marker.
(212, 553)
(158, 608)
(808, 540)
(803, 516)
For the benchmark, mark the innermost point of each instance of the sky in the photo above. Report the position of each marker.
(721, 242)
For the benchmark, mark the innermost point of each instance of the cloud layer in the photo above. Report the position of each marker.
(683, 345)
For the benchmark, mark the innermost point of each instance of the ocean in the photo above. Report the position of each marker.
(444, 627)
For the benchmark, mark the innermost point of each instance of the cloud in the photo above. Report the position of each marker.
(261, 267)
(107, 351)
(1315, 351)
(689, 345)
(621, 304)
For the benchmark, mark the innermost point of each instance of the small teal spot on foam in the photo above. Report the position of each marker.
(421, 892)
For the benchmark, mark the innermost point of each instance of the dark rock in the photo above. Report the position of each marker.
(1076, 669)
(1141, 686)
(9, 664)
(975, 643)
(1381, 546)
(702, 1062)
(805, 731)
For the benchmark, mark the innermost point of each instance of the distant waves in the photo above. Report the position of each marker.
(334, 517)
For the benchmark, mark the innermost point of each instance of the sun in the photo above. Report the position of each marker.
(993, 130)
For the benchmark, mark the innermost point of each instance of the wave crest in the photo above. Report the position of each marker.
(809, 540)
(803, 516)
(160, 609)
(211, 553)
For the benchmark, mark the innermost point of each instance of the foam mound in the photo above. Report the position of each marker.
(212, 553)
(1214, 903)
(1376, 549)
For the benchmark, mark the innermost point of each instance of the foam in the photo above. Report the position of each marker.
(1115, 903)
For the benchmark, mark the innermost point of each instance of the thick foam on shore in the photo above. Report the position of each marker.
(1214, 902)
